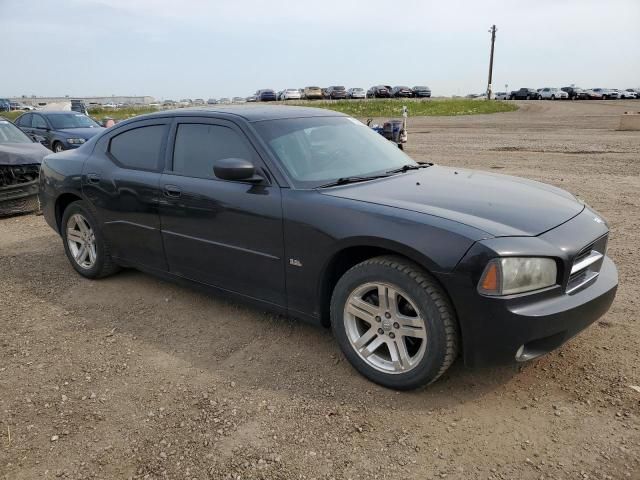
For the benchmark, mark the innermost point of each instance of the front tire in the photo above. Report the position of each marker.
(394, 323)
(57, 147)
(84, 243)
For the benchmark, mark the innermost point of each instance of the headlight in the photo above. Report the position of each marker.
(506, 276)
(76, 141)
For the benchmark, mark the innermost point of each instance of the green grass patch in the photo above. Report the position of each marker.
(119, 113)
(11, 115)
(416, 108)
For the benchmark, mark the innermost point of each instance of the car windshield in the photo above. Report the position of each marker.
(71, 120)
(318, 150)
(9, 133)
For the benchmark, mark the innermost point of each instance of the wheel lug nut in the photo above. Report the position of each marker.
(381, 331)
(392, 335)
(396, 325)
(387, 314)
(378, 319)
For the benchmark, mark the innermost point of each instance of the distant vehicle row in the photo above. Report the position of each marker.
(568, 93)
(339, 92)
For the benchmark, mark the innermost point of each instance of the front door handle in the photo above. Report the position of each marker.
(93, 178)
(172, 191)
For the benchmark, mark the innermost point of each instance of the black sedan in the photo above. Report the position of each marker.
(421, 92)
(401, 92)
(336, 93)
(379, 91)
(265, 95)
(524, 94)
(60, 130)
(308, 212)
(20, 159)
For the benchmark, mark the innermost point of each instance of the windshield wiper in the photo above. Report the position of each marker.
(346, 180)
(410, 166)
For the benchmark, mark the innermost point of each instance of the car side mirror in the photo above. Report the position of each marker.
(237, 169)
(40, 139)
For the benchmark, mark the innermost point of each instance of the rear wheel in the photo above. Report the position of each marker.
(394, 323)
(84, 244)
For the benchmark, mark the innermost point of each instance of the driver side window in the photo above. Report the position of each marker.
(38, 122)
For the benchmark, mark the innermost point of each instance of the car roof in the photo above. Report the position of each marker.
(57, 112)
(250, 113)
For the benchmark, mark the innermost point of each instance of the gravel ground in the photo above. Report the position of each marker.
(134, 377)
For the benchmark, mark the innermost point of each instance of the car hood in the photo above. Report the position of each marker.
(85, 133)
(500, 205)
(22, 153)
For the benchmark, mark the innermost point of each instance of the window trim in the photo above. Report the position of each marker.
(162, 122)
(257, 159)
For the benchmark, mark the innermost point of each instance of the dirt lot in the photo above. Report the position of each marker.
(134, 377)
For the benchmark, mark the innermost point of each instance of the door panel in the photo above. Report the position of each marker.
(126, 200)
(222, 233)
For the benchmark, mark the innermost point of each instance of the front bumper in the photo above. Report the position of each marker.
(20, 198)
(501, 330)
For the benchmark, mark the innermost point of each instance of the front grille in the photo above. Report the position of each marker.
(586, 265)
(17, 174)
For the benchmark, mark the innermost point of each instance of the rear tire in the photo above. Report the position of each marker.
(85, 245)
(394, 323)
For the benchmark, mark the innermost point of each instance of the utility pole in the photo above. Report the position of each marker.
(492, 31)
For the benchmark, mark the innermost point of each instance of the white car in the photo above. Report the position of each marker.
(356, 93)
(628, 93)
(501, 96)
(548, 93)
(290, 94)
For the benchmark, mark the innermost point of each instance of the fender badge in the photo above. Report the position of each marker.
(295, 262)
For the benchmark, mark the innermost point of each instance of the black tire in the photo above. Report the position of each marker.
(441, 326)
(57, 147)
(104, 264)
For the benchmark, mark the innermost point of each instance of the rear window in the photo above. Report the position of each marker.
(139, 148)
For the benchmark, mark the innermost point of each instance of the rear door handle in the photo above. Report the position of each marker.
(93, 178)
(172, 191)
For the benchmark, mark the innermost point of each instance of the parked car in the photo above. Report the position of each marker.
(5, 105)
(629, 93)
(60, 130)
(605, 93)
(238, 100)
(212, 101)
(421, 92)
(524, 94)
(574, 93)
(79, 106)
(401, 92)
(356, 93)
(20, 159)
(265, 95)
(500, 96)
(224, 101)
(307, 212)
(379, 91)
(169, 103)
(312, 93)
(290, 94)
(252, 98)
(590, 94)
(336, 93)
(198, 101)
(548, 93)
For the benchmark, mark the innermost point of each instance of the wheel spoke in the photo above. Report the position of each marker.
(361, 309)
(412, 332)
(365, 338)
(74, 235)
(399, 355)
(414, 322)
(81, 224)
(372, 347)
(82, 253)
(92, 253)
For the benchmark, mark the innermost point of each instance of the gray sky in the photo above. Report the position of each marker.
(199, 48)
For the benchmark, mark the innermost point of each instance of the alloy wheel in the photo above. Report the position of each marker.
(385, 327)
(81, 240)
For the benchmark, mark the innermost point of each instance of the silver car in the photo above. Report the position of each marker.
(356, 93)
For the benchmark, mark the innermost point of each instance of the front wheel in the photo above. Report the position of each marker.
(84, 244)
(58, 147)
(394, 323)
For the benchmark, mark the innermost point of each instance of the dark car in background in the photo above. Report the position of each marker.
(5, 105)
(605, 93)
(20, 159)
(575, 93)
(310, 213)
(60, 130)
(379, 91)
(524, 94)
(265, 95)
(79, 106)
(401, 92)
(421, 92)
(336, 93)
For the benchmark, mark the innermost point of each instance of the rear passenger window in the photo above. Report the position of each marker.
(139, 148)
(24, 120)
(199, 145)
